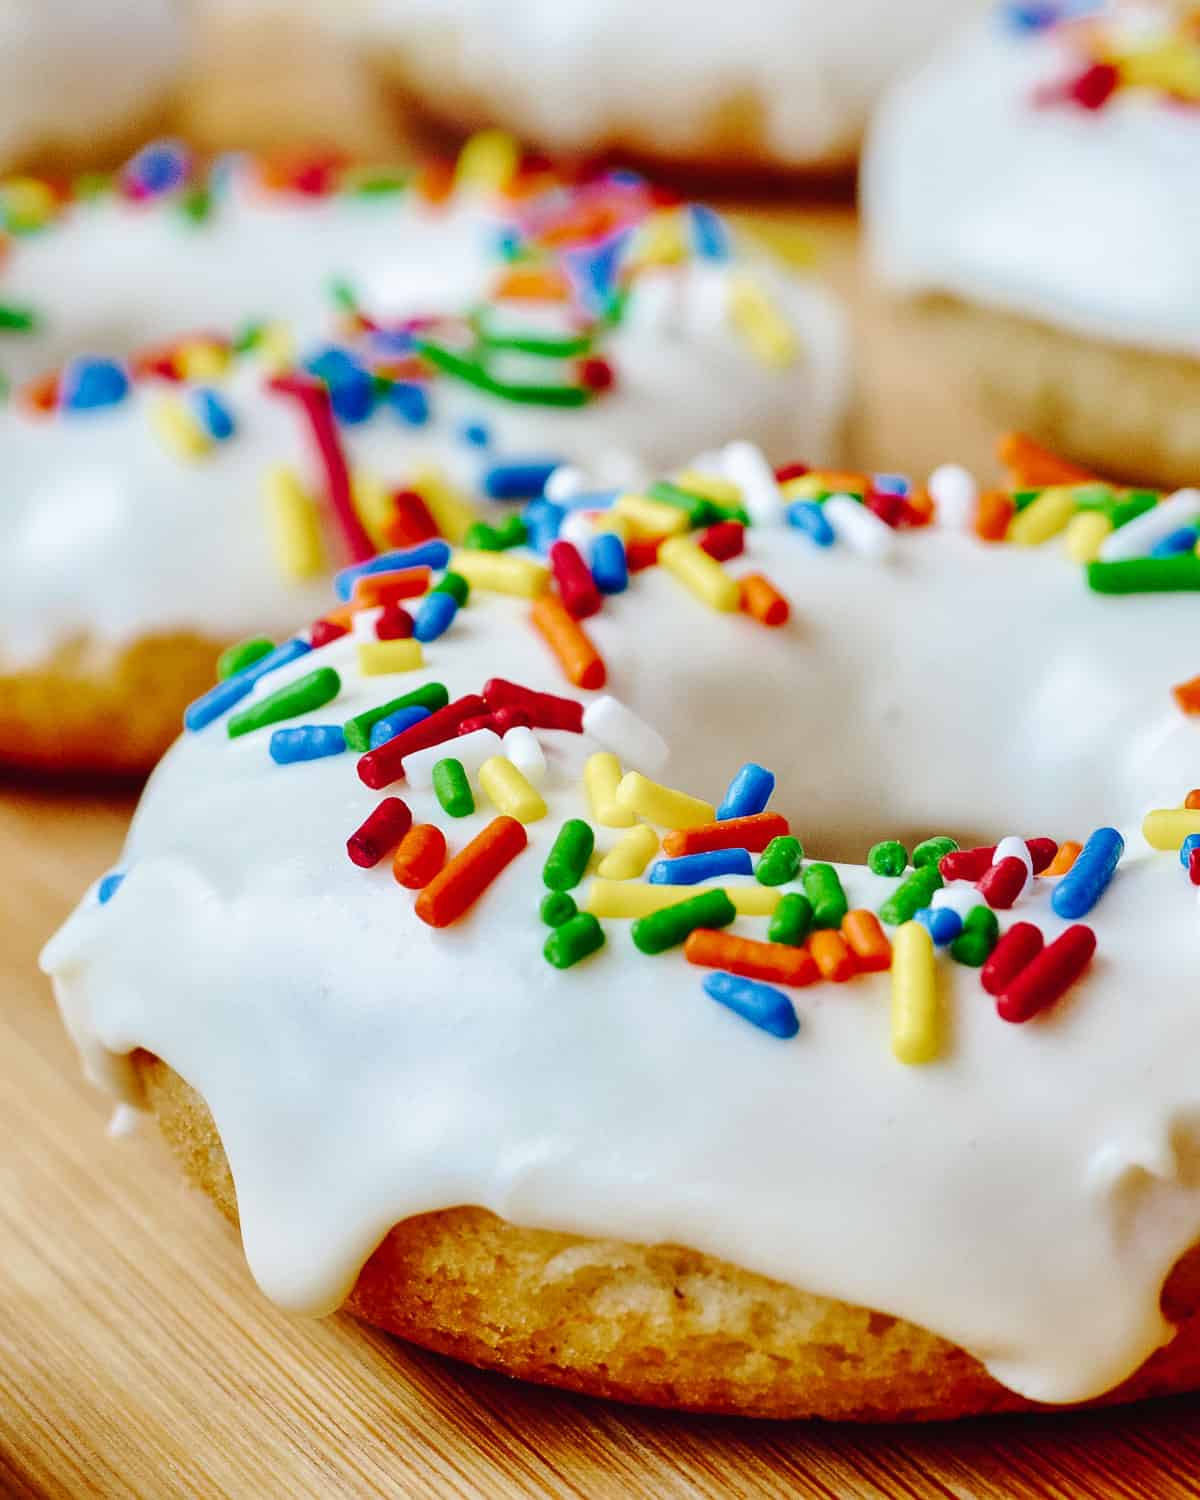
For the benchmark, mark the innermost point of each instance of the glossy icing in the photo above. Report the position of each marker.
(1024, 1195)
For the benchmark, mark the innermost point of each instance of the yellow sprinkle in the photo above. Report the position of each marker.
(1045, 517)
(819, 482)
(275, 347)
(662, 804)
(633, 898)
(1167, 827)
(1171, 67)
(452, 514)
(509, 791)
(702, 575)
(916, 1028)
(711, 486)
(1085, 531)
(612, 520)
(201, 359)
(630, 855)
(487, 160)
(377, 657)
(294, 524)
(601, 777)
(753, 313)
(28, 203)
(501, 572)
(646, 517)
(373, 502)
(178, 429)
(660, 241)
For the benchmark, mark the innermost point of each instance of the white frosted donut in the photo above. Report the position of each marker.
(1020, 1189)
(784, 83)
(118, 527)
(75, 74)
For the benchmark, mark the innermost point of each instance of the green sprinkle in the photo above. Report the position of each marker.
(481, 537)
(314, 690)
(982, 919)
(196, 205)
(1022, 499)
(667, 928)
(791, 919)
(824, 890)
(911, 895)
(557, 907)
(247, 337)
(1146, 575)
(342, 294)
(17, 319)
(930, 851)
(243, 654)
(569, 854)
(574, 940)
(978, 937)
(373, 182)
(888, 858)
(699, 509)
(737, 513)
(91, 185)
(547, 346)
(1094, 496)
(779, 861)
(358, 729)
(453, 583)
(1135, 504)
(452, 788)
(473, 372)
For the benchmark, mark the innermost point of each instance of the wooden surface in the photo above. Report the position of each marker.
(137, 1358)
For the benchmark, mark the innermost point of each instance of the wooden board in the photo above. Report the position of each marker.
(138, 1360)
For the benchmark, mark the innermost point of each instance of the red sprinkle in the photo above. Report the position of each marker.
(970, 864)
(724, 540)
(317, 406)
(762, 601)
(1194, 866)
(394, 624)
(1094, 86)
(1048, 976)
(385, 764)
(322, 632)
(381, 830)
(790, 471)
(891, 509)
(576, 586)
(1001, 884)
(544, 710)
(510, 716)
(410, 522)
(1019, 946)
(595, 374)
(641, 552)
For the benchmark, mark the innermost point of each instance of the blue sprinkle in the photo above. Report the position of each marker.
(543, 521)
(390, 341)
(475, 434)
(224, 695)
(434, 554)
(108, 886)
(761, 1004)
(410, 402)
(609, 566)
(215, 417)
(434, 616)
(508, 244)
(808, 517)
(748, 793)
(306, 742)
(351, 389)
(519, 481)
(593, 270)
(709, 234)
(594, 500)
(943, 922)
(1181, 540)
(157, 168)
(1088, 878)
(690, 869)
(404, 718)
(1185, 849)
(890, 484)
(90, 383)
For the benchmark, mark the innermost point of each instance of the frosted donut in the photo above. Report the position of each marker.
(547, 983)
(463, 349)
(772, 84)
(79, 80)
(992, 178)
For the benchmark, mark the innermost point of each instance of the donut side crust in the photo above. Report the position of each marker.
(657, 1325)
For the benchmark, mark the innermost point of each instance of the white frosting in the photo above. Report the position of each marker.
(1025, 1195)
(72, 70)
(108, 534)
(1084, 220)
(578, 75)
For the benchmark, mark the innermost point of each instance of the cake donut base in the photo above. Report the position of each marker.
(658, 1325)
(96, 710)
(1120, 410)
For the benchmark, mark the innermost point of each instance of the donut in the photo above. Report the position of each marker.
(263, 357)
(525, 990)
(79, 82)
(990, 180)
(777, 85)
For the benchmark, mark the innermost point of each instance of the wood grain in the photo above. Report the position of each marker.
(138, 1360)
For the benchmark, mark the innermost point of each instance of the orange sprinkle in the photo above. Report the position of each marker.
(343, 615)
(1187, 695)
(435, 181)
(578, 658)
(754, 832)
(921, 507)
(1192, 800)
(420, 854)
(763, 601)
(1068, 853)
(842, 481)
(867, 941)
(992, 518)
(832, 955)
(40, 396)
(459, 884)
(531, 284)
(1033, 467)
(371, 589)
(777, 963)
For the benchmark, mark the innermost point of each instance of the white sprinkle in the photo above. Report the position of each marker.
(655, 303)
(578, 529)
(707, 298)
(858, 527)
(524, 749)
(636, 745)
(472, 749)
(955, 494)
(959, 898)
(619, 469)
(564, 483)
(745, 464)
(1013, 848)
(1137, 538)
